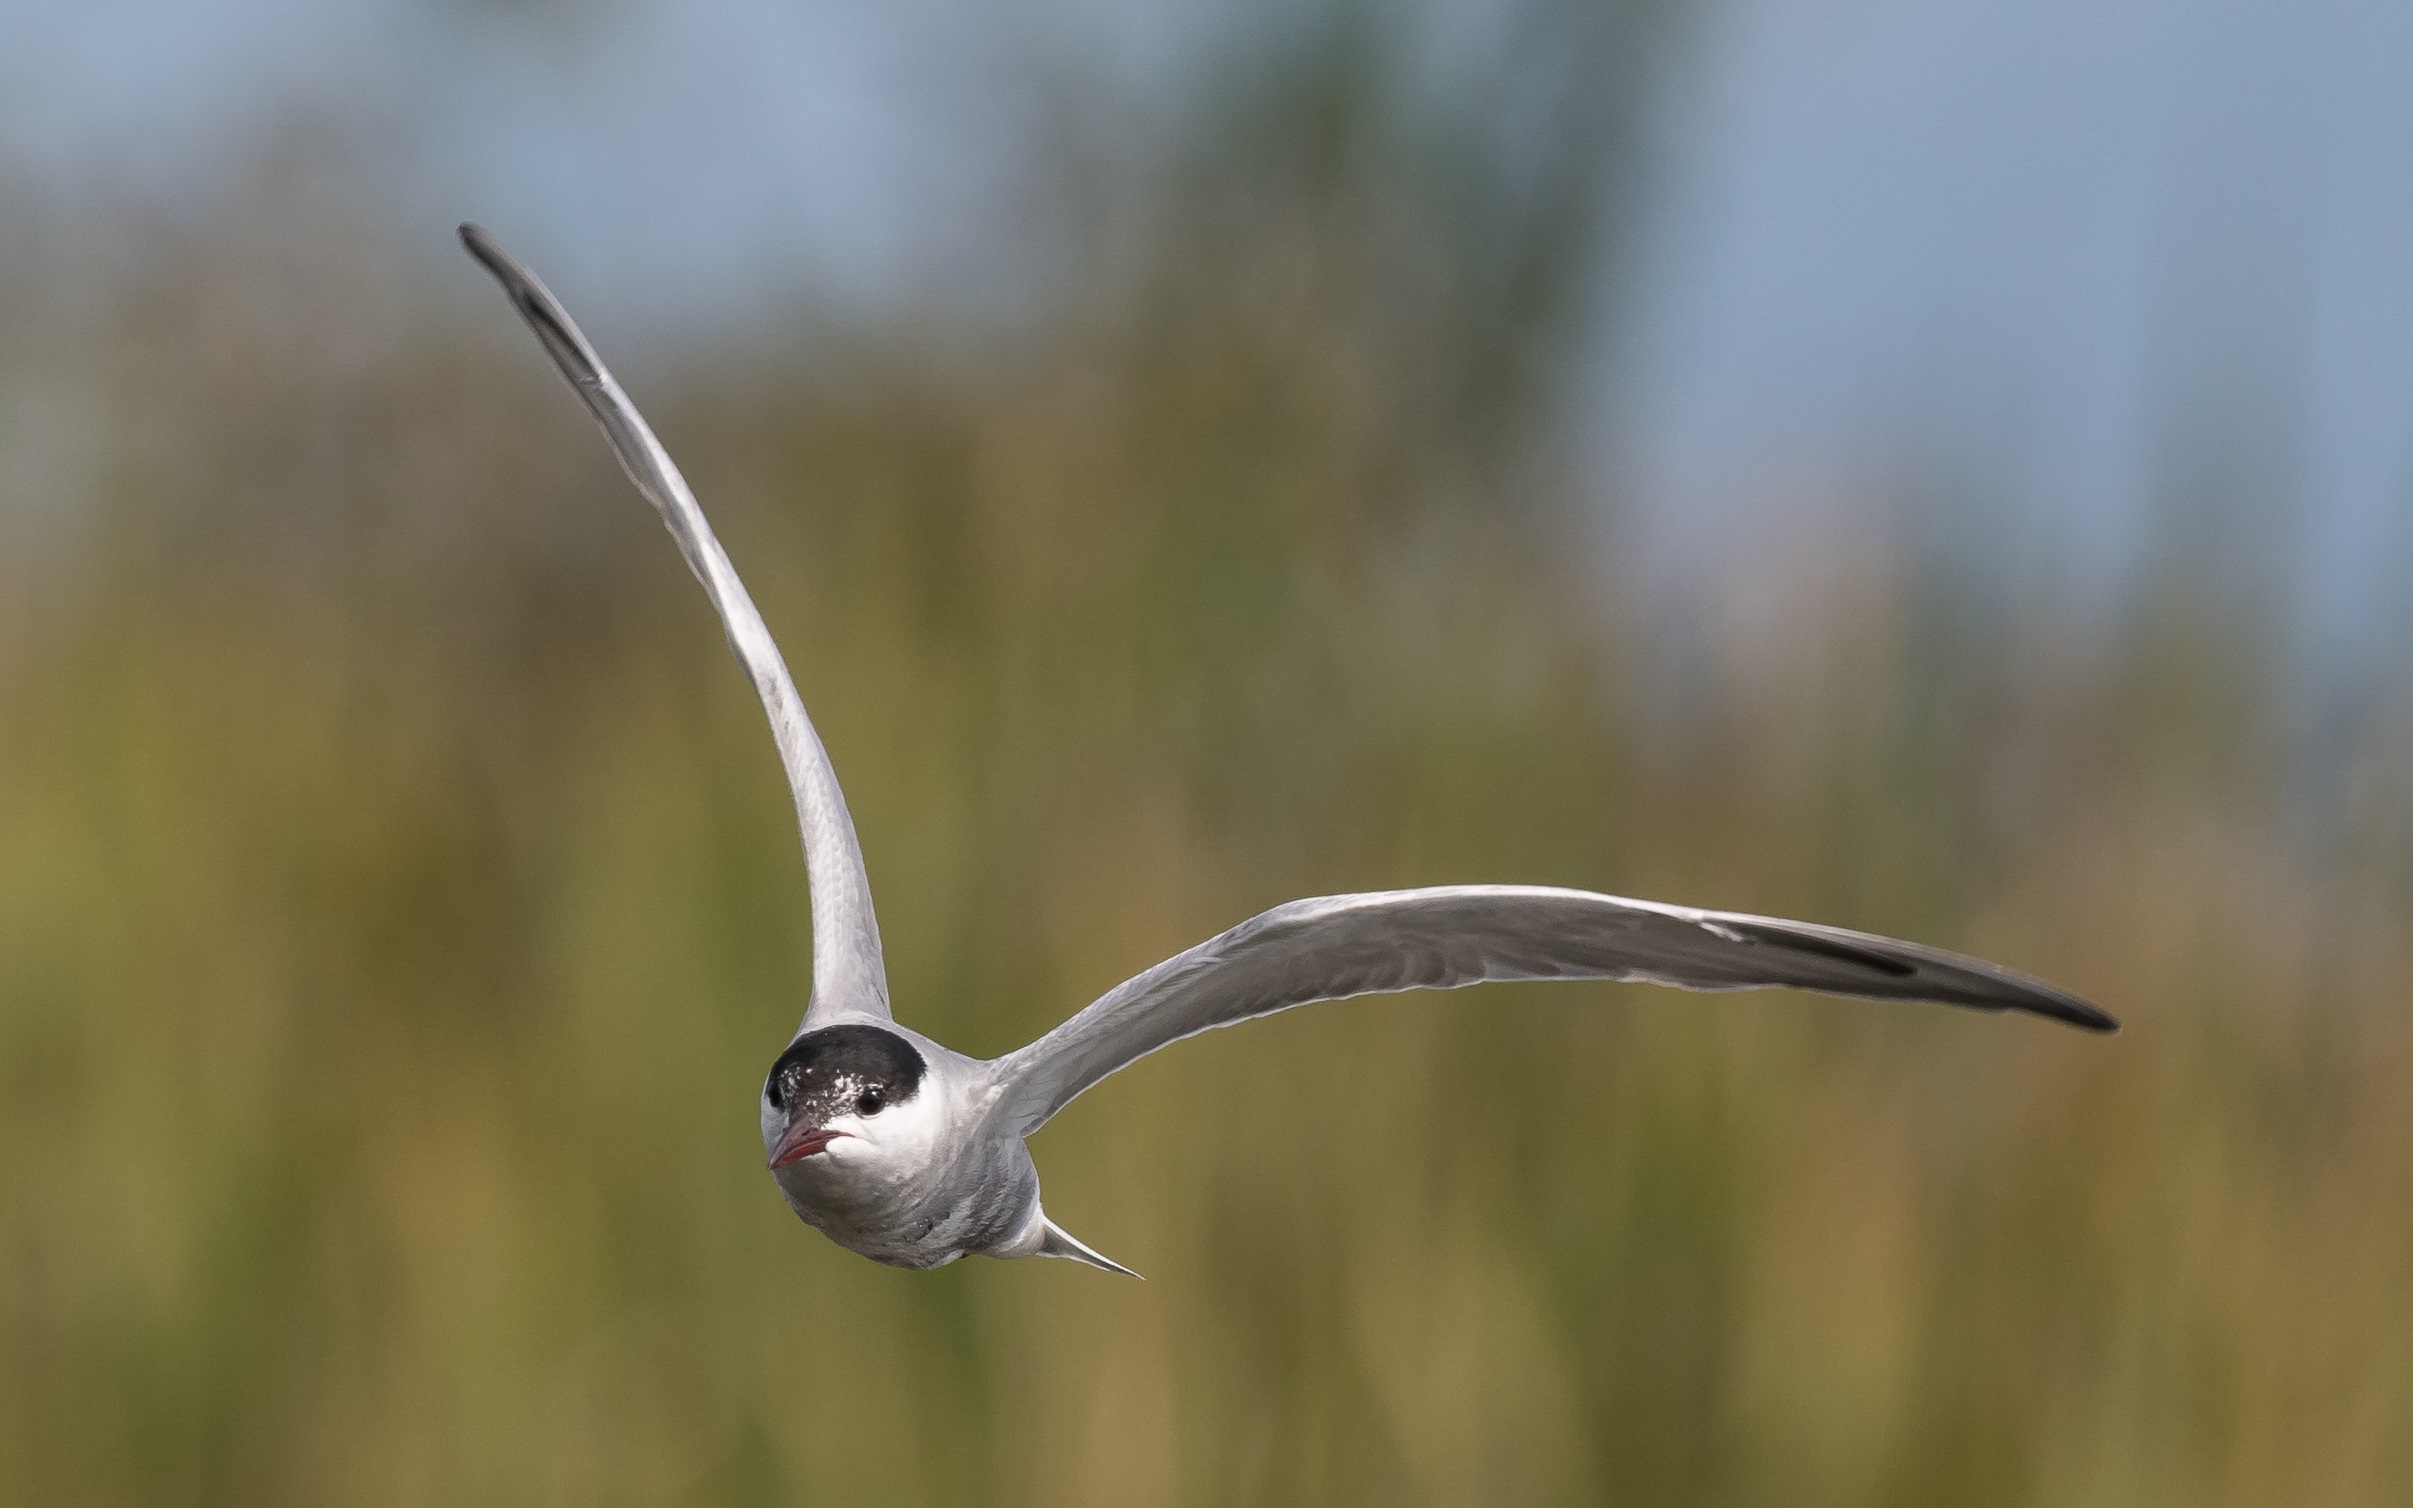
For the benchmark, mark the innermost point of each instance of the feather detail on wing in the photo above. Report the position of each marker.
(848, 977)
(1333, 947)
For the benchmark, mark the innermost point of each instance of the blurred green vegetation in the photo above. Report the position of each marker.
(399, 904)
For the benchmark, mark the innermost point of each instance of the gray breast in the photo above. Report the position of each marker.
(988, 1196)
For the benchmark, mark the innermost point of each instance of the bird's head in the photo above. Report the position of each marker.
(844, 1097)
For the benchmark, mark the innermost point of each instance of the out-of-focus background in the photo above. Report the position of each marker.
(1929, 466)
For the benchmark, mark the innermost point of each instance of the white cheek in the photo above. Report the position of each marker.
(853, 1146)
(904, 1131)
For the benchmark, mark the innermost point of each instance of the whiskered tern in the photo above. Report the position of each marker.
(912, 1154)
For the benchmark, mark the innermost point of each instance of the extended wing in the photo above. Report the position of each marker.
(1333, 947)
(848, 978)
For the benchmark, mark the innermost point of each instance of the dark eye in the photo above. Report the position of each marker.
(871, 1101)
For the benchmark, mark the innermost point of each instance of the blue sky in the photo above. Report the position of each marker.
(2078, 248)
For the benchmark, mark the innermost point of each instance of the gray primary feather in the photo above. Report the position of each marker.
(848, 977)
(1333, 947)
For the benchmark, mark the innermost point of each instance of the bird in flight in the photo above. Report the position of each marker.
(913, 1154)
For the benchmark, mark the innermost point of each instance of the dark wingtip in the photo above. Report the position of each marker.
(2072, 1011)
(536, 305)
(479, 243)
(516, 279)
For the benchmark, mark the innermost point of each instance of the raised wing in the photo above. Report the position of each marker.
(848, 977)
(1336, 946)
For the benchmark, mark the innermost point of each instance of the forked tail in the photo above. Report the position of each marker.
(1055, 1243)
